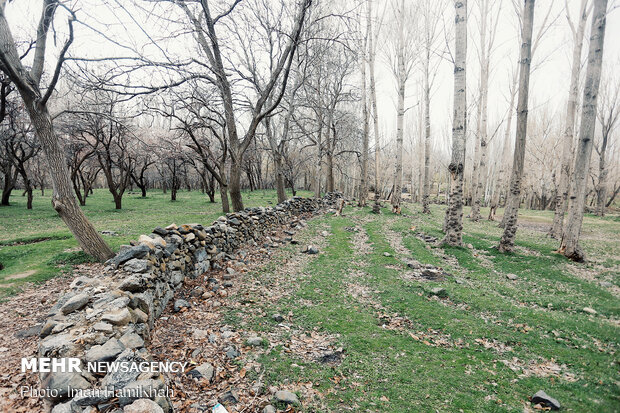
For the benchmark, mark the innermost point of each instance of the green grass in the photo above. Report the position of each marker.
(539, 316)
(38, 244)
(389, 371)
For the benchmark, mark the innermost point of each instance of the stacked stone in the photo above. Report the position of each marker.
(109, 317)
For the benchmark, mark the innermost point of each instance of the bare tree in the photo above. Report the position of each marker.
(505, 153)
(143, 160)
(453, 225)
(568, 137)
(22, 147)
(431, 10)
(512, 202)
(372, 52)
(608, 115)
(480, 156)
(83, 167)
(209, 43)
(569, 245)
(28, 83)
(204, 128)
(173, 159)
(363, 195)
(102, 126)
(508, 237)
(405, 54)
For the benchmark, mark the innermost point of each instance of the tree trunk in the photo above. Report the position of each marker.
(224, 197)
(29, 198)
(561, 197)
(601, 191)
(279, 177)
(504, 160)
(572, 230)
(118, 201)
(427, 135)
(363, 195)
(480, 171)
(373, 100)
(475, 210)
(453, 223)
(63, 199)
(210, 188)
(510, 230)
(400, 112)
(234, 185)
(142, 185)
(27, 186)
(330, 164)
(317, 185)
(9, 185)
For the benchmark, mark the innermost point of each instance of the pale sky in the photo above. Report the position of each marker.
(548, 84)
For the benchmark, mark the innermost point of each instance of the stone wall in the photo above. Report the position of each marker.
(109, 317)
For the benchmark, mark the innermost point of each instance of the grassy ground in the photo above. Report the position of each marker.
(36, 245)
(486, 348)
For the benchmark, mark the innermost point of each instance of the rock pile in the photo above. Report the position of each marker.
(108, 318)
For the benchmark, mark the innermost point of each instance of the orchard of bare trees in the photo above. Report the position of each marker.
(497, 104)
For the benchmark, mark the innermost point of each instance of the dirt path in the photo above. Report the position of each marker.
(216, 327)
(20, 319)
(199, 334)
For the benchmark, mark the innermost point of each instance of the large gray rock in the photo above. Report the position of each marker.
(93, 398)
(132, 283)
(105, 352)
(75, 303)
(180, 304)
(29, 332)
(136, 265)
(67, 407)
(139, 251)
(117, 317)
(58, 344)
(138, 389)
(255, 341)
(285, 396)
(132, 340)
(103, 327)
(204, 371)
(232, 352)
(176, 277)
(60, 384)
(439, 292)
(143, 406)
(119, 378)
(229, 397)
(546, 400)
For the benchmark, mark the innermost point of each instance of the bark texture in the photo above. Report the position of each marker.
(401, 74)
(363, 196)
(504, 160)
(27, 83)
(569, 246)
(511, 212)
(376, 208)
(561, 197)
(479, 180)
(453, 224)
